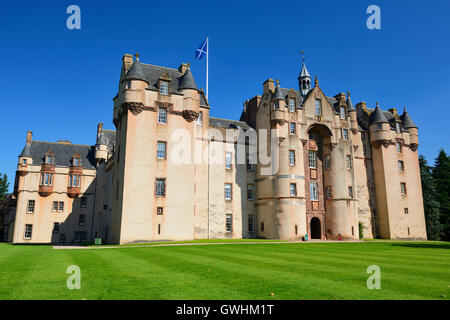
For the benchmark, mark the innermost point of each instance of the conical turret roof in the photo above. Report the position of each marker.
(278, 94)
(407, 121)
(304, 73)
(350, 106)
(187, 81)
(136, 72)
(26, 152)
(377, 116)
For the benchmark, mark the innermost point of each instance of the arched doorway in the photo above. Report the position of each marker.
(316, 232)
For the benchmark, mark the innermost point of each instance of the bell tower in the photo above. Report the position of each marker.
(304, 80)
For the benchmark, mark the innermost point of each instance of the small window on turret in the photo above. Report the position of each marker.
(379, 126)
(276, 105)
(128, 85)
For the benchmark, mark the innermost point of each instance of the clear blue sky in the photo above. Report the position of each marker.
(59, 83)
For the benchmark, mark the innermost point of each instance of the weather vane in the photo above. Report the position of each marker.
(303, 55)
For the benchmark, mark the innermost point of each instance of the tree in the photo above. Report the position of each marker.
(4, 185)
(430, 202)
(441, 177)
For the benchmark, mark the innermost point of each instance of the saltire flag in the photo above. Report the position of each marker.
(202, 50)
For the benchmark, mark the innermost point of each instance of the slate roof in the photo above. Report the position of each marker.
(407, 121)
(350, 106)
(278, 95)
(379, 116)
(304, 72)
(298, 96)
(224, 123)
(151, 74)
(26, 152)
(107, 137)
(63, 153)
(136, 72)
(187, 81)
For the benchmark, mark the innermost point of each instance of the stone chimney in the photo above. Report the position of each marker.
(340, 97)
(183, 67)
(127, 60)
(269, 85)
(99, 128)
(29, 137)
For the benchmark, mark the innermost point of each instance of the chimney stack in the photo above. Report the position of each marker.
(99, 128)
(183, 67)
(29, 137)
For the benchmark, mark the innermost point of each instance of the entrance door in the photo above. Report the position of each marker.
(316, 231)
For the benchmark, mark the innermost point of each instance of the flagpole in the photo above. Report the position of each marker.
(207, 53)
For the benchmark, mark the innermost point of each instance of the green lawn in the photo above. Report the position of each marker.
(232, 271)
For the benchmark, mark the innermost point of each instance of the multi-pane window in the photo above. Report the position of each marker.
(49, 159)
(318, 107)
(291, 104)
(83, 202)
(348, 161)
(159, 211)
(399, 147)
(293, 189)
(312, 135)
(292, 128)
(397, 127)
(379, 126)
(162, 115)
(82, 220)
(291, 157)
(250, 192)
(403, 188)
(160, 187)
(56, 227)
(314, 191)
(401, 166)
(350, 192)
(30, 207)
(28, 231)
(46, 179)
(74, 180)
(76, 162)
(251, 223)
(228, 159)
(328, 192)
(345, 134)
(342, 112)
(164, 88)
(161, 150)
(312, 159)
(80, 236)
(58, 206)
(276, 105)
(227, 191)
(229, 222)
(200, 118)
(327, 162)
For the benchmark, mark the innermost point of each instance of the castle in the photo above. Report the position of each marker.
(339, 168)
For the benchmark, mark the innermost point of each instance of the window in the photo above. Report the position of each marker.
(276, 105)
(291, 157)
(83, 202)
(293, 189)
(342, 112)
(56, 227)
(251, 223)
(74, 180)
(229, 223)
(58, 206)
(28, 231)
(49, 159)
(262, 226)
(345, 134)
(328, 193)
(401, 166)
(348, 161)
(399, 147)
(76, 162)
(327, 162)
(128, 85)
(164, 88)
(162, 115)
(292, 128)
(46, 179)
(318, 107)
(403, 188)
(80, 236)
(312, 135)
(159, 229)
(82, 220)
(314, 191)
(296, 230)
(250, 192)
(161, 150)
(291, 105)
(379, 126)
(24, 162)
(228, 158)
(350, 192)
(397, 127)
(227, 191)
(406, 211)
(312, 159)
(160, 187)
(30, 207)
(200, 118)
(159, 211)
(62, 237)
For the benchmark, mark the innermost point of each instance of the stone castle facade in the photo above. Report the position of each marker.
(340, 168)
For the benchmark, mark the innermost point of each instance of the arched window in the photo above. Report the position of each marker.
(314, 191)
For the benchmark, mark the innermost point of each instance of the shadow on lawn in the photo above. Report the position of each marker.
(424, 245)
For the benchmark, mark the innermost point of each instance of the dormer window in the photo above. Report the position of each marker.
(164, 88)
(76, 162)
(342, 112)
(49, 158)
(291, 104)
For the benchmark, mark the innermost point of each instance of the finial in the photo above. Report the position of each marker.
(404, 109)
(316, 82)
(137, 55)
(278, 83)
(378, 104)
(188, 65)
(348, 94)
